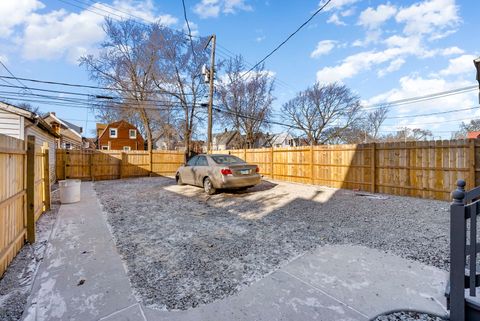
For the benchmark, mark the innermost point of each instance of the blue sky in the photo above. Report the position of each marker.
(383, 50)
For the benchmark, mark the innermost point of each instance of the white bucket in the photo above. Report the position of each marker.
(69, 191)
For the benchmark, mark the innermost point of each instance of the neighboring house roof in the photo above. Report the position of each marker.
(33, 117)
(71, 128)
(224, 138)
(280, 138)
(474, 135)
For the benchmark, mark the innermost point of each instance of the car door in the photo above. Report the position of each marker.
(187, 171)
(200, 170)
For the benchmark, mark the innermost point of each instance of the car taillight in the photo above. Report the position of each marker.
(257, 169)
(226, 171)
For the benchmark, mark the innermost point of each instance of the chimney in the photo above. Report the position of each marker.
(226, 130)
(81, 130)
(53, 113)
(56, 127)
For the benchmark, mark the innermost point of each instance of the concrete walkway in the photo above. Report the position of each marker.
(83, 278)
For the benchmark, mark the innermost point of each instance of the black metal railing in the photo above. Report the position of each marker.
(464, 305)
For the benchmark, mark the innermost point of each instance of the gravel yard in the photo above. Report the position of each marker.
(183, 248)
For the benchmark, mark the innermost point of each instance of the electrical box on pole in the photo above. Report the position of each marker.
(476, 62)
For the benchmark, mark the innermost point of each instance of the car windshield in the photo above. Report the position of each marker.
(226, 159)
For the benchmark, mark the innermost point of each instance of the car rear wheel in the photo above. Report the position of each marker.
(178, 178)
(208, 186)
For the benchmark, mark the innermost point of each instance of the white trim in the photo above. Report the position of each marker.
(110, 132)
(135, 134)
(127, 148)
(58, 120)
(16, 110)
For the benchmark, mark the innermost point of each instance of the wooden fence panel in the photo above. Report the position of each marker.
(419, 169)
(12, 199)
(165, 163)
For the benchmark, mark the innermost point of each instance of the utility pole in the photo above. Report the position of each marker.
(476, 62)
(213, 39)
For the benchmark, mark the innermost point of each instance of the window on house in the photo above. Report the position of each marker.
(126, 148)
(68, 146)
(113, 133)
(105, 147)
(132, 133)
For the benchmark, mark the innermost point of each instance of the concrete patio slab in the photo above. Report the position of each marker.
(276, 297)
(372, 281)
(83, 278)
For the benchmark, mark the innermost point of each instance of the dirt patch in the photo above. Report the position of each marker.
(183, 248)
(16, 283)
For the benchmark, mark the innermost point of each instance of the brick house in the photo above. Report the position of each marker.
(119, 135)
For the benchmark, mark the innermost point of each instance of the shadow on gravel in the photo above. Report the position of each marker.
(184, 248)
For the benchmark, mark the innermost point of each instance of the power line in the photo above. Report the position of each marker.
(13, 76)
(422, 98)
(435, 113)
(288, 38)
(189, 30)
(92, 96)
(91, 87)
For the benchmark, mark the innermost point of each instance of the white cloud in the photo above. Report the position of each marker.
(59, 33)
(260, 38)
(431, 17)
(213, 8)
(337, 4)
(363, 61)
(193, 28)
(15, 12)
(393, 66)
(62, 34)
(336, 20)
(460, 65)
(415, 86)
(4, 59)
(141, 9)
(373, 18)
(452, 51)
(323, 48)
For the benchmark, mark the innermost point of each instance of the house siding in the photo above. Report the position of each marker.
(42, 137)
(11, 124)
(123, 138)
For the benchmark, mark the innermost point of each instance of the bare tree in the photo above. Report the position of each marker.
(178, 74)
(126, 63)
(472, 126)
(374, 121)
(323, 112)
(408, 134)
(245, 100)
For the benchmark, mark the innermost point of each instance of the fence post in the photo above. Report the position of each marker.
(457, 253)
(245, 154)
(90, 161)
(374, 166)
(312, 181)
(271, 163)
(150, 156)
(472, 163)
(123, 159)
(31, 189)
(65, 155)
(46, 181)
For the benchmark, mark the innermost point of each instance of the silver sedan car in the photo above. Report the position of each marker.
(217, 171)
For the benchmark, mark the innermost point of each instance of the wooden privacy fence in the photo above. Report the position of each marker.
(99, 164)
(24, 193)
(420, 169)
